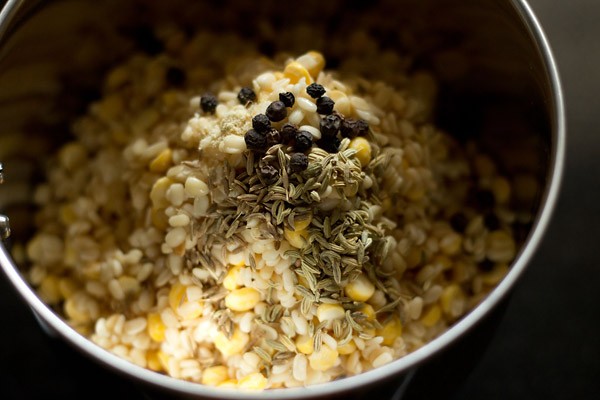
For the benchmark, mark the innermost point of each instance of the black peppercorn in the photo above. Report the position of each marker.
(273, 137)
(261, 123)
(208, 103)
(288, 133)
(303, 141)
(276, 111)
(146, 40)
(485, 199)
(287, 98)
(325, 105)
(246, 95)
(330, 125)
(459, 222)
(352, 128)
(486, 265)
(269, 174)
(315, 90)
(175, 76)
(298, 162)
(491, 221)
(255, 141)
(330, 144)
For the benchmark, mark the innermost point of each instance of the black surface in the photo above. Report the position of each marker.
(547, 345)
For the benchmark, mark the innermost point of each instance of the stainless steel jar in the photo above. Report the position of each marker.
(499, 84)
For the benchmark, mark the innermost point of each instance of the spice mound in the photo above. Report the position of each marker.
(281, 230)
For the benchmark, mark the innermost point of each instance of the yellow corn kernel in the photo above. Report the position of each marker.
(74, 313)
(67, 214)
(342, 102)
(170, 98)
(214, 376)
(297, 238)
(254, 381)
(323, 359)
(156, 327)
(159, 218)
(501, 190)
(163, 359)
(368, 310)
(235, 345)
(158, 194)
(484, 166)
(176, 295)
(449, 297)
(442, 260)
(302, 222)
(329, 312)
(49, 290)
(391, 330)
(190, 310)
(347, 348)
(305, 344)
(129, 284)
(313, 61)
(414, 256)
(360, 289)
(230, 383)
(162, 161)
(525, 188)
(386, 204)
(153, 361)
(363, 150)
(231, 279)
(500, 247)
(294, 71)
(431, 316)
(495, 275)
(451, 243)
(243, 299)
(67, 287)
(368, 333)
(416, 193)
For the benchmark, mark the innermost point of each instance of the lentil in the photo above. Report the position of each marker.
(325, 105)
(246, 96)
(276, 111)
(287, 98)
(315, 90)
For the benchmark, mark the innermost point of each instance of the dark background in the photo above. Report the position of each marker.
(548, 343)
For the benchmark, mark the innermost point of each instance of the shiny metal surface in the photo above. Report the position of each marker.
(530, 72)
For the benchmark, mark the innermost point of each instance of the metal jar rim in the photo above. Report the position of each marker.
(402, 365)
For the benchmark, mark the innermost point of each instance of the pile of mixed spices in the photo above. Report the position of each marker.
(275, 231)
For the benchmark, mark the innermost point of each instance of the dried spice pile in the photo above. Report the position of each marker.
(281, 230)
